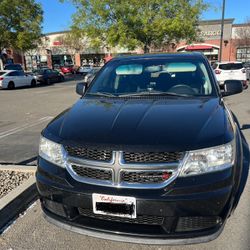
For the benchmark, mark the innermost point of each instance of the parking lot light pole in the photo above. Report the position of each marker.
(222, 29)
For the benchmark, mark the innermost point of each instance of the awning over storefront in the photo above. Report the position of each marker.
(198, 47)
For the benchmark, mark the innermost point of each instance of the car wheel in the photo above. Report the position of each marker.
(11, 85)
(33, 83)
(48, 81)
(62, 79)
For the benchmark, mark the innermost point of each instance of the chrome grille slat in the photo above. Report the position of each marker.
(151, 157)
(93, 173)
(89, 154)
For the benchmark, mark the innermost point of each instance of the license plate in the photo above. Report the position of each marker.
(121, 206)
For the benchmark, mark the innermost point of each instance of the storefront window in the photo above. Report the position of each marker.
(243, 54)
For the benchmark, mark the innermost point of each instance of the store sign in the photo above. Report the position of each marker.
(210, 33)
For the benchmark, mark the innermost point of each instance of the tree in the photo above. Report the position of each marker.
(138, 23)
(73, 41)
(243, 34)
(20, 24)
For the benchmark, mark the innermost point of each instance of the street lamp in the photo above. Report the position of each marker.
(222, 29)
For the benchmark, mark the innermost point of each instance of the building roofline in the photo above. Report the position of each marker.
(241, 24)
(217, 21)
(56, 32)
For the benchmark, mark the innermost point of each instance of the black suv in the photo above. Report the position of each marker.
(13, 66)
(150, 153)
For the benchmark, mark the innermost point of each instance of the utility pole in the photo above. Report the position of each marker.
(222, 29)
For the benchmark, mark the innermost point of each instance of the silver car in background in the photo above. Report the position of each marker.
(90, 76)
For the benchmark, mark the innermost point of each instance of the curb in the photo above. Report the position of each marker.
(16, 201)
(18, 168)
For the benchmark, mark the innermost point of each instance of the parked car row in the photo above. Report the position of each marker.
(83, 70)
(10, 79)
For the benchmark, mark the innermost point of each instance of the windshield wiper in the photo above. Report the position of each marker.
(149, 93)
(104, 94)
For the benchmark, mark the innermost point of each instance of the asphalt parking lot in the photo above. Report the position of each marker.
(24, 112)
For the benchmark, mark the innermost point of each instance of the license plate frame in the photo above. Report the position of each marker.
(113, 205)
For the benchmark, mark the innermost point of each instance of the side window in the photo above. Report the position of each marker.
(20, 73)
(13, 73)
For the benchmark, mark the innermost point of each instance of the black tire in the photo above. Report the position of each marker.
(62, 78)
(48, 82)
(11, 85)
(33, 83)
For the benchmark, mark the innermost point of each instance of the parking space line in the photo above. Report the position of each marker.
(18, 129)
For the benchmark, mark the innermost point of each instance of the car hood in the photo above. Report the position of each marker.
(175, 124)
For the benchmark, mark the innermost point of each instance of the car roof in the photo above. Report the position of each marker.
(225, 62)
(8, 71)
(187, 55)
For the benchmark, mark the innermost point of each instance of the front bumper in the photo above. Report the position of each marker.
(189, 210)
(122, 238)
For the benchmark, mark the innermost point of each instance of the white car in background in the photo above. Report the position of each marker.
(230, 71)
(85, 69)
(10, 79)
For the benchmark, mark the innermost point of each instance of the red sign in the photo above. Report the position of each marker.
(57, 43)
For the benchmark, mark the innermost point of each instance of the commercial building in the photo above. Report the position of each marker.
(235, 46)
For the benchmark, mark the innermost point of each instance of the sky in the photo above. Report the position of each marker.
(57, 15)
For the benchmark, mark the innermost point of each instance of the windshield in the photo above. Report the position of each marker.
(2, 72)
(231, 66)
(153, 77)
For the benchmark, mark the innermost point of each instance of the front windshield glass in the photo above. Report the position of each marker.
(153, 76)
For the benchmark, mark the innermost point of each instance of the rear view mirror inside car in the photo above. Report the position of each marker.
(129, 69)
(179, 67)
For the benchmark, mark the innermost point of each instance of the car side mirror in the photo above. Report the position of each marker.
(232, 87)
(81, 88)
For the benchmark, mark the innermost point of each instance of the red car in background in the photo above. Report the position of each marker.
(69, 69)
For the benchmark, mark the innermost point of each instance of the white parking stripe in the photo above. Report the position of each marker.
(13, 129)
(18, 129)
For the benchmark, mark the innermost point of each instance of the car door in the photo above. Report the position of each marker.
(23, 81)
(48, 74)
(56, 76)
(13, 77)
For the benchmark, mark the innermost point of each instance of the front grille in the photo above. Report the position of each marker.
(93, 173)
(141, 219)
(145, 177)
(152, 157)
(186, 224)
(89, 154)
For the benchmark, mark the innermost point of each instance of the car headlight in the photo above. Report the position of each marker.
(208, 160)
(52, 152)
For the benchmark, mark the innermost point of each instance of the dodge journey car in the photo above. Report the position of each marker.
(150, 153)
